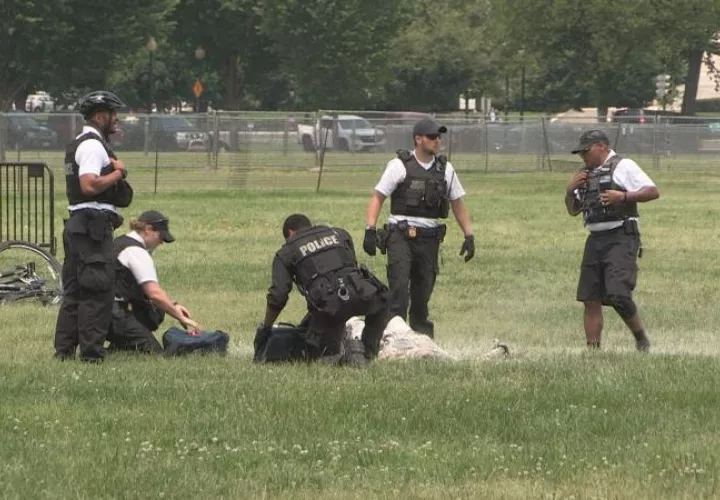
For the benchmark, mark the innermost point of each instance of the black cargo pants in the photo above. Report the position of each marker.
(411, 271)
(88, 274)
(129, 331)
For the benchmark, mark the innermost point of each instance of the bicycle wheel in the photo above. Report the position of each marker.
(32, 270)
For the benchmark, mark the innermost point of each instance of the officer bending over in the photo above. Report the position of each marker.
(140, 302)
(422, 186)
(95, 188)
(607, 192)
(321, 261)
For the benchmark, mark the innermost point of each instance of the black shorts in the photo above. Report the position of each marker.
(609, 265)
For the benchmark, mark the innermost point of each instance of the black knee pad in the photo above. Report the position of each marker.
(624, 306)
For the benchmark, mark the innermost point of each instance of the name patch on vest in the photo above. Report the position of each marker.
(318, 244)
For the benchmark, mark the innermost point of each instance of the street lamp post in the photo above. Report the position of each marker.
(522, 92)
(151, 47)
(199, 56)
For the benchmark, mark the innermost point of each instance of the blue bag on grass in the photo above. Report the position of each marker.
(178, 342)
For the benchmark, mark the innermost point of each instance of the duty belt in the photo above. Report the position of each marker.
(419, 232)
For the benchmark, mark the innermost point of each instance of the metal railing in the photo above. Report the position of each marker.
(27, 204)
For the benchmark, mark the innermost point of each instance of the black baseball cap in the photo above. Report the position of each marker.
(428, 126)
(159, 222)
(588, 138)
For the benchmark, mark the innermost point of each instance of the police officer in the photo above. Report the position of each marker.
(321, 261)
(422, 186)
(95, 188)
(607, 192)
(140, 302)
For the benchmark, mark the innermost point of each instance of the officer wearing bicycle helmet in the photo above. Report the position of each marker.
(95, 188)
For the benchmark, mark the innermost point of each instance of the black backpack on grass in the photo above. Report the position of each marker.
(178, 342)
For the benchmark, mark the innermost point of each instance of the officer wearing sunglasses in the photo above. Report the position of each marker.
(607, 192)
(422, 186)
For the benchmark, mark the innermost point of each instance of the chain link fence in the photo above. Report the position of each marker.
(329, 149)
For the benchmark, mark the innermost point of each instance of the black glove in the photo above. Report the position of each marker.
(370, 241)
(262, 335)
(468, 247)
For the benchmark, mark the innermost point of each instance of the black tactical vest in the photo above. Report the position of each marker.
(600, 179)
(320, 258)
(119, 194)
(128, 289)
(423, 193)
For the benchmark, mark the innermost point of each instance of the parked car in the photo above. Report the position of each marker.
(38, 102)
(24, 132)
(165, 133)
(628, 115)
(345, 133)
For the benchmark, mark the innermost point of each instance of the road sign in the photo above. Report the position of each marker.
(198, 88)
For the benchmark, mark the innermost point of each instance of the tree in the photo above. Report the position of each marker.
(228, 31)
(334, 51)
(28, 28)
(684, 36)
(449, 48)
(61, 44)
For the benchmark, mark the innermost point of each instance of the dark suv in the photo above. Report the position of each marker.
(22, 131)
(629, 115)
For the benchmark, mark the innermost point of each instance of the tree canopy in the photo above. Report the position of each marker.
(350, 54)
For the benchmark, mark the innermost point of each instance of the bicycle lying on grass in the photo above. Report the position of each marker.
(28, 272)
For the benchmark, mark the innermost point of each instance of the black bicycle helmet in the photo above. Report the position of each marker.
(99, 100)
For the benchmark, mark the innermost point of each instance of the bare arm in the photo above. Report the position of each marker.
(573, 205)
(642, 195)
(158, 297)
(373, 209)
(461, 216)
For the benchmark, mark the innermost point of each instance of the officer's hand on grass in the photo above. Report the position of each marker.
(468, 247)
(370, 241)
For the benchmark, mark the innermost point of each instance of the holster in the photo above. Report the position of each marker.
(630, 227)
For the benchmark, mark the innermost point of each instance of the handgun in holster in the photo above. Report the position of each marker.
(630, 228)
(441, 232)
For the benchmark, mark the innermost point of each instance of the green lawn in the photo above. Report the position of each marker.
(553, 421)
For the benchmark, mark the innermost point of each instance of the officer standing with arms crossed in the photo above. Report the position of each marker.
(95, 187)
(422, 186)
(321, 261)
(140, 301)
(607, 192)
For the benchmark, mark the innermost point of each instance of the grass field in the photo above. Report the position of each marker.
(553, 421)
